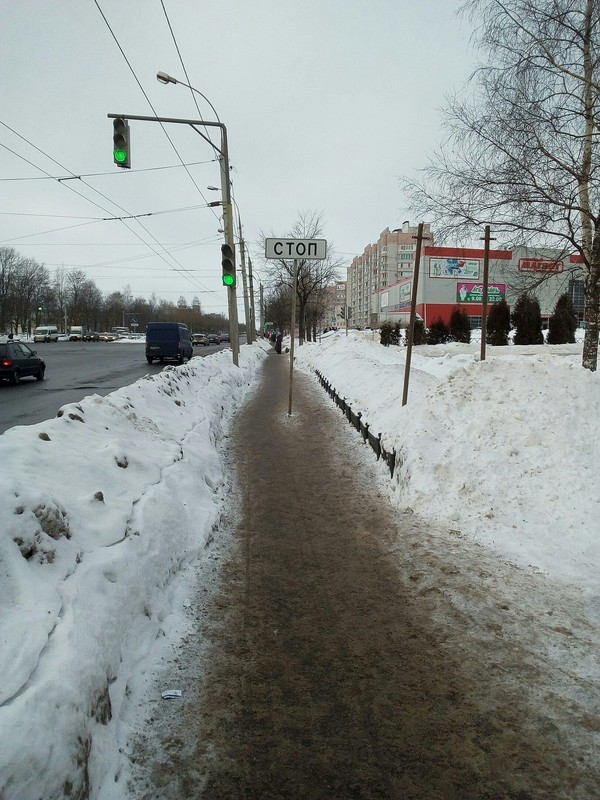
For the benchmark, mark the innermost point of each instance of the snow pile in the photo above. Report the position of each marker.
(505, 450)
(100, 508)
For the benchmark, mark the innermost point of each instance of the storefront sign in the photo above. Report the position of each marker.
(540, 265)
(473, 292)
(454, 268)
(405, 291)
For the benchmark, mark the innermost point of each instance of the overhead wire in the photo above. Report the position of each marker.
(89, 199)
(148, 99)
(100, 174)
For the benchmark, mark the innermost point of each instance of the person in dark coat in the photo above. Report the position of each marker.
(278, 341)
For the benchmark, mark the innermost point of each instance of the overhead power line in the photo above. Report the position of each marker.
(178, 268)
(100, 174)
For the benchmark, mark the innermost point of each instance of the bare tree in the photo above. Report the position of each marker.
(313, 276)
(523, 153)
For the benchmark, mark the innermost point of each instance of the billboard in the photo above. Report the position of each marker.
(473, 292)
(454, 268)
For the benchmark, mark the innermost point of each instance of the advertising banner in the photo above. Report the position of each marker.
(454, 268)
(473, 292)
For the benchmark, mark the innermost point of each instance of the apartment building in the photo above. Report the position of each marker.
(334, 306)
(387, 261)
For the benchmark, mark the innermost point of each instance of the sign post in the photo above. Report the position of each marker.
(296, 250)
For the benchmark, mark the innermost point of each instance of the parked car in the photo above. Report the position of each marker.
(45, 333)
(17, 361)
(200, 338)
(91, 336)
(213, 338)
(168, 340)
(224, 337)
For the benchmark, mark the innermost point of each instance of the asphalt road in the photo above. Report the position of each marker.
(74, 370)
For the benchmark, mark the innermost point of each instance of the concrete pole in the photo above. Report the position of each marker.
(229, 239)
(252, 331)
(244, 281)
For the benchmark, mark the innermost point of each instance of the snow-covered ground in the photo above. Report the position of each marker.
(105, 509)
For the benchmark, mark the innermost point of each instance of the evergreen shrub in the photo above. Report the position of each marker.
(460, 326)
(438, 333)
(563, 322)
(527, 319)
(498, 324)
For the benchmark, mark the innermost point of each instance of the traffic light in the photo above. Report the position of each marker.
(228, 262)
(40, 308)
(121, 151)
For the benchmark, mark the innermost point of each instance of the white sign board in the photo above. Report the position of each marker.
(296, 248)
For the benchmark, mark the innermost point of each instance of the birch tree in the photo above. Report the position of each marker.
(523, 146)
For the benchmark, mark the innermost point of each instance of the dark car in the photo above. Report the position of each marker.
(91, 336)
(224, 337)
(200, 338)
(214, 338)
(17, 361)
(168, 340)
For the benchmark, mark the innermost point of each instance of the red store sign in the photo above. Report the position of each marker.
(540, 265)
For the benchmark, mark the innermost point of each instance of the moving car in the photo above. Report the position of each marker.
(105, 336)
(46, 333)
(168, 340)
(200, 338)
(17, 360)
(214, 338)
(91, 336)
(224, 337)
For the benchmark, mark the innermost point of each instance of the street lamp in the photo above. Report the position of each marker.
(163, 77)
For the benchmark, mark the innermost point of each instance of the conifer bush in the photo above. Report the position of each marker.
(527, 319)
(438, 333)
(498, 324)
(396, 334)
(460, 326)
(419, 332)
(385, 335)
(563, 322)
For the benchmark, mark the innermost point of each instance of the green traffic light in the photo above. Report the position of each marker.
(120, 155)
(228, 279)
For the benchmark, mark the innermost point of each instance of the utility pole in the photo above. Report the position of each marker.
(484, 304)
(252, 331)
(229, 239)
(413, 312)
(244, 280)
(262, 309)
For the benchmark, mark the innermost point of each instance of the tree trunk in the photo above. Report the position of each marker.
(592, 308)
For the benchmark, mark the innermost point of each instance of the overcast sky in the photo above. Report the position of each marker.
(326, 104)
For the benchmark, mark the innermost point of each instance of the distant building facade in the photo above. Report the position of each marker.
(380, 281)
(386, 262)
(451, 277)
(335, 304)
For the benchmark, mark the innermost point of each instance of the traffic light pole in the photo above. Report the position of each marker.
(228, 236)
(227, 208)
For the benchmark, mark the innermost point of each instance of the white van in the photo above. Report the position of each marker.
(76, 333)
(46, 333)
